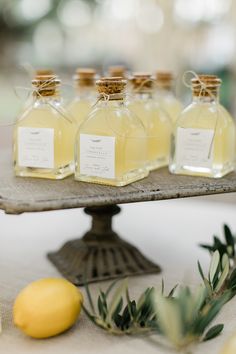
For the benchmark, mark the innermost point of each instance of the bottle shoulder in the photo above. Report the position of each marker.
(107, 120)
(151, 106)
(205, 114)
(44, 113)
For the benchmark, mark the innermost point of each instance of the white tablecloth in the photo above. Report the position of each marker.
(168, 232)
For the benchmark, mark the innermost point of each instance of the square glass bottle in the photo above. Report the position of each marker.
(44, 134)
(85, 97)
(203, 142)
(111, 144)
(156, 121)
(164, 93)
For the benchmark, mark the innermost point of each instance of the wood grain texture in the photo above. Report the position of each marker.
(18, 195)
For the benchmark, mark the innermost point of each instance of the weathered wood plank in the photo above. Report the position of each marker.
(19, 195)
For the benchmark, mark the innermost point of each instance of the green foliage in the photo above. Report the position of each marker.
(213, 332)
(191, 313)
(182, 318)
(228, 246)
(218, 276)
(118, 314)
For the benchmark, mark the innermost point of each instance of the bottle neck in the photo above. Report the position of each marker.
(206, 99)
(165, 91)
(113, 103)
(206, 93)
(42, 100)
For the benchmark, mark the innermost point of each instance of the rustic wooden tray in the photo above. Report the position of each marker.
(100, 254)
(18, 195)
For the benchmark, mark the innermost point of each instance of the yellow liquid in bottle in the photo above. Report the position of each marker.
(158, 127)
(113, 120)
(171, 105)
(211, 117)
(79, 110)
(44, 116)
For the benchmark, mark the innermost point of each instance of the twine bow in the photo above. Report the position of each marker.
(201, 83)
(107, 97)
(36, 91)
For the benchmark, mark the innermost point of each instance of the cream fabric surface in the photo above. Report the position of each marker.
(168, 232)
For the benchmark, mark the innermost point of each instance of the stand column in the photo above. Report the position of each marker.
(100, 254)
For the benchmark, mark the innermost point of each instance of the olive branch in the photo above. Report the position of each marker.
(181, 317)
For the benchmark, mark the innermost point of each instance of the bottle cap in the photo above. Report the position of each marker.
(111, 85)
(43, 72)
(164, 79)
(46, 85)
(142, 82)
(205, 85)
(85, 77)
(117, 71)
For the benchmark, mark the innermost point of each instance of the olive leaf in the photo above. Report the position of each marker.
(218, 279)
(214, 265)
(184, 319)
(213, 332)
(117, 313)
(228, 246)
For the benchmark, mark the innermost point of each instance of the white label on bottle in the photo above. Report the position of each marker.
(194, 147)
(36, 147)
(97, 155)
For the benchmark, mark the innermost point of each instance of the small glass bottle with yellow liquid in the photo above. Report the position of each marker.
(165, 95)
(84, 80)
(43, 135)
(111, 143)
(156, 121)
(204, 135)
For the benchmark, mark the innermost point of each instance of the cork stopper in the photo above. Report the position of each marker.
(112, 86)
(117, 71)
(85, 77)
(43, 72)
(46, 85)
(164, 79)
(206, 85)
(142, 82)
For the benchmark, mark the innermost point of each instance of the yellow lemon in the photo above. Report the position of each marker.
(47, 307)
(230, 346)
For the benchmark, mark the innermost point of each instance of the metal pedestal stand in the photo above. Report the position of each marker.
(100, 254)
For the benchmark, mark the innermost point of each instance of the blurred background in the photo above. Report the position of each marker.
(144, 35)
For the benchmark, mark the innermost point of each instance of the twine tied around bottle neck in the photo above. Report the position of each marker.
(43, 90)
(202, 85)
(110, 89)
(149, 85)
(108, 97)
(142, 83)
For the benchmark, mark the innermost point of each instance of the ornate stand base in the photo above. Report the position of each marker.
(100, 254)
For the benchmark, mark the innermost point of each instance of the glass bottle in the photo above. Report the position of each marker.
(165, 94)
(203, 142)
(43, 135)
(84, 80)
(156, 121)
(111, 143)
